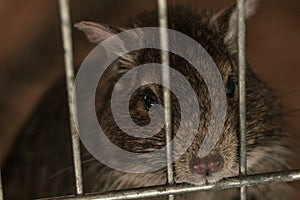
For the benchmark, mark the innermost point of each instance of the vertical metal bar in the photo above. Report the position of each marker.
(242, 92)
(68, 55)
(164, 42)
(1, 187)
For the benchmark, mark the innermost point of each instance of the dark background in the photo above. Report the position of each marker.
(31, 53)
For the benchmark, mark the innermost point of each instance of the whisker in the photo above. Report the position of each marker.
(284, 94)
(69, 168)
(290, 111)
(283, 84)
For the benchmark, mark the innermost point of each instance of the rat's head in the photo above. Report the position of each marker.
(217, 33)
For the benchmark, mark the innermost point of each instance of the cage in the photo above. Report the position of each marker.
(241, 182)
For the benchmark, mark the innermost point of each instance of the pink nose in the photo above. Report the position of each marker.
(208, 165)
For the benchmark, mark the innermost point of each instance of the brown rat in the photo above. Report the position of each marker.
(33, 165)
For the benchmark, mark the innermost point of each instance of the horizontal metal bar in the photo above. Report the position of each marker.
(233, 182)
(69, 69)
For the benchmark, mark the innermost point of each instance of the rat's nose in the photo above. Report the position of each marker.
(208, 165)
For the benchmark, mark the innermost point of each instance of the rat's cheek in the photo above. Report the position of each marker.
(228, 147)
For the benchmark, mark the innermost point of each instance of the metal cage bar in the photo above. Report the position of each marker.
(1, 187)
(233, 182)
(68, 55)
(164, 42)
(242, 92)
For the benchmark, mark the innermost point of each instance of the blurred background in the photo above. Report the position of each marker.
(31, 53)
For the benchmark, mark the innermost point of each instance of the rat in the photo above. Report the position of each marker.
(40, 165)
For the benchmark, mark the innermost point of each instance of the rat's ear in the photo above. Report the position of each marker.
(95, 32)
(226, 21)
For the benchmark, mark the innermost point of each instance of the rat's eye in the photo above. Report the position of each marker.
(230, 87)
(150, 98)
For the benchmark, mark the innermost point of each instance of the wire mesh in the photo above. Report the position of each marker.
(68, 55)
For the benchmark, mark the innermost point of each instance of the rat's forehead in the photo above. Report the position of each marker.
(148, 56)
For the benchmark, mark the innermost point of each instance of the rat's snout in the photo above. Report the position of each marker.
(208, 165)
